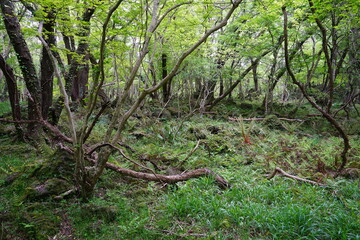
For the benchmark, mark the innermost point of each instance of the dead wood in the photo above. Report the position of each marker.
(285, 174)
(168, 178)
(53, 129)
(261, 119)
(313, 115)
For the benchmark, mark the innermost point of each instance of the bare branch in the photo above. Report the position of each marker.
(168, 11)
(285, 174)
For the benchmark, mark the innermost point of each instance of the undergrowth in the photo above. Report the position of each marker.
(253, 208)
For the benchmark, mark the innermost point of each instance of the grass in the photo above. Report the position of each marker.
(253, 208)
(274, 210)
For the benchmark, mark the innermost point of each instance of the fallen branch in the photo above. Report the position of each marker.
(285, 174)
(222, 183)
(261, 119)
(55, 130)
(168, 178)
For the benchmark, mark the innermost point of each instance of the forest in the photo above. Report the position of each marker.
(173, 119)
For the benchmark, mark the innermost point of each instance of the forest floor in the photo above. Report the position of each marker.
(242, 151)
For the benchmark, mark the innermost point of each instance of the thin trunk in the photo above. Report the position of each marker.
(328, 117)
(328, 56)
(233, 86)
(13, 92)
(77, 76)
(220, 65)
(166, 88)
(255, 75)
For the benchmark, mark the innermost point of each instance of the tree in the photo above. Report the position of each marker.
(87, 176)
(325, 113)
(27, 66)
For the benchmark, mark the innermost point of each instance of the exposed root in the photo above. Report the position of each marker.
(285, 174)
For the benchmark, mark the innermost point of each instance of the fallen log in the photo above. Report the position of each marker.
(222, 183)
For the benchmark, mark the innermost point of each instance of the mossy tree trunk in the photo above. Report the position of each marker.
(27, 66)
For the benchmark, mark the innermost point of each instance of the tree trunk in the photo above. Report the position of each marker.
(166, 88)
(27, 66)
(233, 86)
(325, 113)
(13, 93)
(47, 70)
(255, 75)
(77, 78)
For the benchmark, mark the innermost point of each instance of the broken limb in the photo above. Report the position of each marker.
(285, 174)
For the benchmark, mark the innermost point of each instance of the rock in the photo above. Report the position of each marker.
(165, 114)
(214, 129)
(51, 187)
(199, 133)
(11, 178)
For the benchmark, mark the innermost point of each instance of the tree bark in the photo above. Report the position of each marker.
(78, 75)
(27, 66)
(255, 75)
(166, 88)
(13, 92)
(46, 68)
(169, 178)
